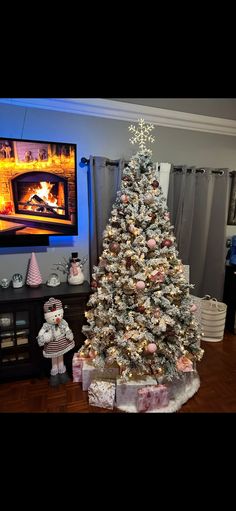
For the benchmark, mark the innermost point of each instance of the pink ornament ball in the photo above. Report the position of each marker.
(124, 198)
(151, 348)
(140, 285)
(151, 243)
(193, 307)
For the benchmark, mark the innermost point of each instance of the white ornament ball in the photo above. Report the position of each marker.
(151, 243)
(140, 285)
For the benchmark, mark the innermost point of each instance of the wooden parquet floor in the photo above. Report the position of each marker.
(217, 392)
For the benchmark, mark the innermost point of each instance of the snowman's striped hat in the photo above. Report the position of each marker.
(52, 305)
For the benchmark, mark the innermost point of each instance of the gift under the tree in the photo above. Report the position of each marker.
(152, 397)
(101, 393)
(89, 373)
(77, 364)
(127, 392)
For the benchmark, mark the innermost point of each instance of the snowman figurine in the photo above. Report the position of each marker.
(75, 276)
(56, 338)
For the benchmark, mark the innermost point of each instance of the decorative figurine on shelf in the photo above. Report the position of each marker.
(17, 280)
(76, 275)
(73, 269)
(56, 338)
(5, 283)
(53, 280)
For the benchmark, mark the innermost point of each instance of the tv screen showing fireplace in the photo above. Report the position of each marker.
(38, 188)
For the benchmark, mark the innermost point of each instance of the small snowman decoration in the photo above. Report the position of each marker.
(75, 275)
(57, 339)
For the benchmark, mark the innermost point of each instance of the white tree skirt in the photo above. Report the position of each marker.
(183, 394)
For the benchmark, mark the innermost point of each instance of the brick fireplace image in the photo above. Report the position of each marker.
(37, 187)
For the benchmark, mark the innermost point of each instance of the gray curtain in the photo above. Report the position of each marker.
(104, 179)
(197, 201)
(232, 202)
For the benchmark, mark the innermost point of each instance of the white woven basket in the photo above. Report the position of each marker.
(213, 315)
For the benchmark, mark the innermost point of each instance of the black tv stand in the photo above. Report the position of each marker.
(24, 240)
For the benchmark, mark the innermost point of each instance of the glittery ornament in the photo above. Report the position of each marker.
(166, 243)
(157, 313)
(148, 199)
(102, 263)
(153, 217)
(127, 290)
(157, 276)
(128, 262)
(141, 308)
(150, 255)
(124, 199)
(193, 307)
(155, 184)
(114, 247)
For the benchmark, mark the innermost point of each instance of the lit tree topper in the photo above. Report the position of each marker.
(142, 135)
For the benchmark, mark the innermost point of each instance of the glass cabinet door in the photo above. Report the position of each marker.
(14, 337)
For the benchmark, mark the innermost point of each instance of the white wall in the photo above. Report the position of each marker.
(100, 137)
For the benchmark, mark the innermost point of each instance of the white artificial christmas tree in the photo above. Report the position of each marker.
(141, 315)
(34, 278)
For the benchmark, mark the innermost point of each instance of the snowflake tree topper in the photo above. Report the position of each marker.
(142, 135)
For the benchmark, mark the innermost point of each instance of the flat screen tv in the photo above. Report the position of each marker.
(38, 191)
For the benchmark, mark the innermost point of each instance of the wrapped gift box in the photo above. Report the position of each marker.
(127, 392)
(102, 393)
(89, 373)
(77, 364)
(152, 397)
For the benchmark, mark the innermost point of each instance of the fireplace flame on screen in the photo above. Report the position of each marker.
(43, 190)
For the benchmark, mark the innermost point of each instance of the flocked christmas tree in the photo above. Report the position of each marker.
(140, 315)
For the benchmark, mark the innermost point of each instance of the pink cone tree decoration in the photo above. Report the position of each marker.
(34, 278)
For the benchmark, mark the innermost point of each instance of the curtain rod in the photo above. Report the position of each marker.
(202, 170)
(85, 161)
